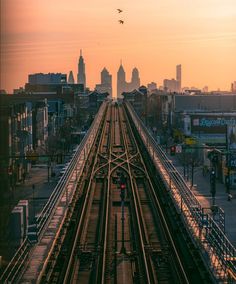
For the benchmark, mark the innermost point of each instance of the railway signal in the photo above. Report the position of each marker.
(122, 187)
(172, 150)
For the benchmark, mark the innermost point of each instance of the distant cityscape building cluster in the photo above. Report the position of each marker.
(106, 83)
(50, 78)
(174, 85)
(233, 87)
(37, 117)
(123, 85)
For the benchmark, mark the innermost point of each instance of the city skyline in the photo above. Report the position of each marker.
(34, 39)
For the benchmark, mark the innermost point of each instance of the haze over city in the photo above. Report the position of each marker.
(46, 36)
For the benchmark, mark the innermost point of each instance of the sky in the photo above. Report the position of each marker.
(47, 35)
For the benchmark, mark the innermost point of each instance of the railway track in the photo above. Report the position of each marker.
(116, 231)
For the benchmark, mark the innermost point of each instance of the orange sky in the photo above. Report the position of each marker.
(47, 35)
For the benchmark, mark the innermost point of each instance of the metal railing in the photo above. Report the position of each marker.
(217, 250)
(17, 261)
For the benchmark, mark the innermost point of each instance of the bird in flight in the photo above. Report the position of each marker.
(121, 22)
(119, 10)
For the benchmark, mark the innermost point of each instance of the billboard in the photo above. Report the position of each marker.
(212, 124)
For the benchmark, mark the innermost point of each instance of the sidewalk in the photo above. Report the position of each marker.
(202, 191)
(37, 197)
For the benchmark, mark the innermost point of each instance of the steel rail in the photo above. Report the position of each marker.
(163, 222)
(83, 212)
(96, 277)
(42, 219)
(55, 196)
(221, 246)
(155, 201)
(58, 233)
(139, 216)
(107, 203)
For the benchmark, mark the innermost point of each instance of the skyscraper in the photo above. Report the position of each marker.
(81, 78)
(179, 77)
(121, 83)
(105, 77)
(71, 78)
(106, 83)
(135, 80)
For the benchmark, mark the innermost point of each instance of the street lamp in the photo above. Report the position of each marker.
(213, 185)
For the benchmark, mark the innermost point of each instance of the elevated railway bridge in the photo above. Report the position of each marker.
(122, 213)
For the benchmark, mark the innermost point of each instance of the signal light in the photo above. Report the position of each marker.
(122, 186)
(172, 150)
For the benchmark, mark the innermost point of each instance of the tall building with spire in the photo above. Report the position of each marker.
(121, 83)
(71, 79)
(81, 77)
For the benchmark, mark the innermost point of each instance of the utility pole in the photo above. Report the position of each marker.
(192, 172)
(33, 188)
(213, 185)
(227, 177)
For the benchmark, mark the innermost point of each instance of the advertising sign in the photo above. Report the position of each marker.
(178, 149)
(212, 124)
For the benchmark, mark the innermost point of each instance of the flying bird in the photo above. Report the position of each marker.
(121, 22)
(119, 10)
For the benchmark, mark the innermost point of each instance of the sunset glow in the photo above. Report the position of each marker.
(46, 36)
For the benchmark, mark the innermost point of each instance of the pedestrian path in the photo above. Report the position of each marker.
(201, 190)
(37, 197)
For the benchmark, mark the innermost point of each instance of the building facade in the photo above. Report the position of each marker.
(138, 99)
(179, 77)
(106, 83)
(16, 132)
(123, 85)
(71, 79)
(81, 77)
(45, 79)
(121, 81)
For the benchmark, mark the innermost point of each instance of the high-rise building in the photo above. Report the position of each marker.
(233, 86)
(44, 79)
(81, 77)
(71, 78)
(179, 77)
(152, 86)
(106, 83)
(106, 78)
(205, 89)
(171, 85)
(135, 80)
(121, 83)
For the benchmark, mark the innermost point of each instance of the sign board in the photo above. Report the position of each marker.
(190, 141)
(189, 150)
(212, 124)
(178, 149)
(43, 159)
(31, 155)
